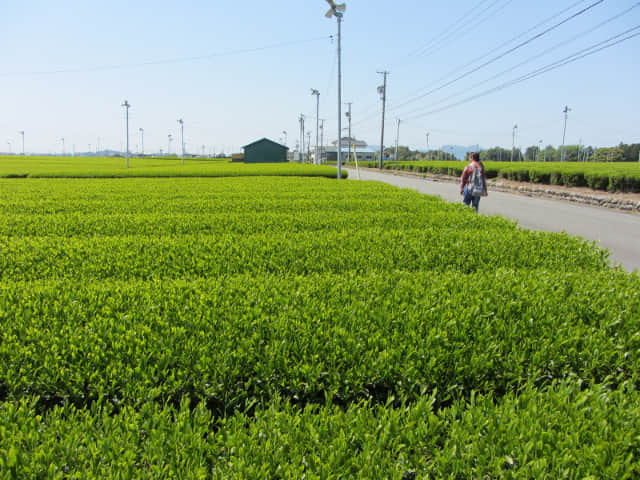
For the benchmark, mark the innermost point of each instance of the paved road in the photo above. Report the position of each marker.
(616, 231)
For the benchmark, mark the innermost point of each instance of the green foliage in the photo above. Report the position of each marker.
(615, 177)
(271, 327)
(92, 167)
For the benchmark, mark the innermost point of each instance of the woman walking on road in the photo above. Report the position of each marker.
(473, 183)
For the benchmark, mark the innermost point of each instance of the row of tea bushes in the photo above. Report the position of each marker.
(614, 177)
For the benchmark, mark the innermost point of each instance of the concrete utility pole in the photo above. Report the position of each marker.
(350, 141)
(539, 148)
(142, 139)
(301, 139)
(21, 132)
(309, 146)
(428, 152)
(126, 106)
(382, 90)
(181, 122)
(513, 138)
(322, 120)
(564, 131)
(317, 94)
(397, 136)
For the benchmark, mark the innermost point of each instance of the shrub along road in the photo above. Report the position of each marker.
(617, 232)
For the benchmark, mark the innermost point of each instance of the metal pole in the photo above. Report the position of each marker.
(350, 140)
(383, 91)
(428, 152)
(513, 139)
(564, 131)
(397, 135)
(22, 134)
(321, 138)
(317, 94)
(339, 17)
(142, 139)
(181, 122)
(126, 105)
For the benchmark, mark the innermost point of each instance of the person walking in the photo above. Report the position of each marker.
(473, 184)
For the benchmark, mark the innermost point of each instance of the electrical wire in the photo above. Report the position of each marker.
(462, 30)
(530, 59)
(449, 28)
(502, 55)
(547, 68)
(493, 50)
(167, 61)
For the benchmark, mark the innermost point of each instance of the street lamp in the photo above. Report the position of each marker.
(338, 11)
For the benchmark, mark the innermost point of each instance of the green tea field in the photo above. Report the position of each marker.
(609, 176)
(269, 326)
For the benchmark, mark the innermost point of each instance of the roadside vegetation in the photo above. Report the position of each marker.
(608, 176)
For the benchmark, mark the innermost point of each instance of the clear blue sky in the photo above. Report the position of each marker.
(238, 71)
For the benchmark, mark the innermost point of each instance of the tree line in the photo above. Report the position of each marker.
(572, 153)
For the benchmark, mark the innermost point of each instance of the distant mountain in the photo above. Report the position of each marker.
(459, 151)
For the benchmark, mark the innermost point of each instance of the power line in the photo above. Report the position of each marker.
(502, 55)
(535, 73)
(530, 59)
(461, 30)
(167, 61)
(449, 28)
(444, 77)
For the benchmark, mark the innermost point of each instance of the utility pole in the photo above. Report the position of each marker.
(62, 139)
(428, 152)
(382, 90)
(142, 139)
(21, 132)
(397, 136)
(170, 137)
(301, 138)
(126, 105)
(309, 146)
(284, 132)
(321, 137)
(181, 122)
(513, 138)
(564, 131)
(539, 148)
(350, 141)
(317, 94)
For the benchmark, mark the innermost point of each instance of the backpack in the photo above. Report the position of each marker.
(477, 185)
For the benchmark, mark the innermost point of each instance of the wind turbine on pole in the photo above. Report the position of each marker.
(338, 11)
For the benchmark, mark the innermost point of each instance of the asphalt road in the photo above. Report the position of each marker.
(616, 231)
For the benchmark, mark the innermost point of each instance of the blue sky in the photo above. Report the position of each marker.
(238, 71)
